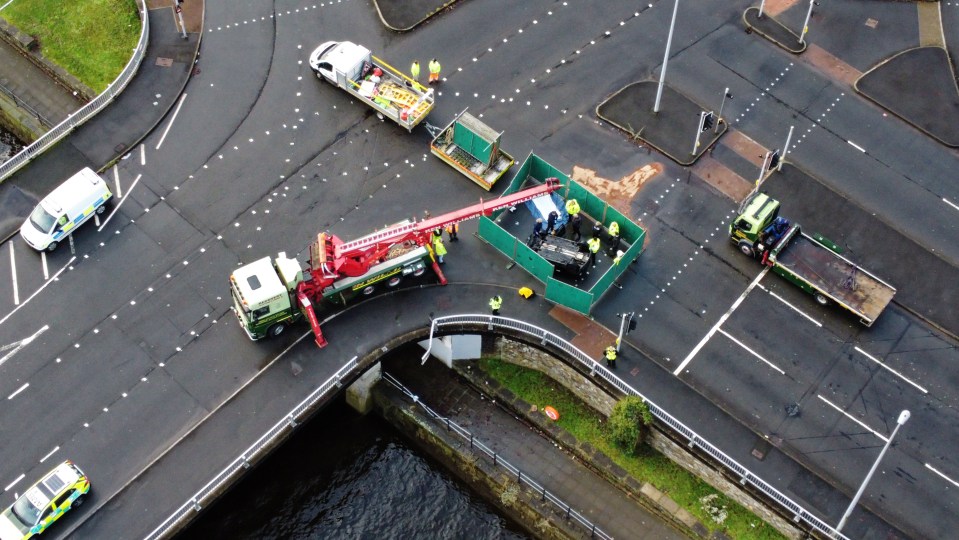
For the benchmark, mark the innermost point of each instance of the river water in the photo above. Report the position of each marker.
(349, 476)
(9, 145)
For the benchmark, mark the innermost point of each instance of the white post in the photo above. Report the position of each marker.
(179, 12)
(699, 129)
(721, 105)
(903, 416)
(762, 4)
(805, 25)
(785, 149)
(662, 73)
(762, 169)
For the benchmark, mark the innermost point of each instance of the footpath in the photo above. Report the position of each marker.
(163, 73)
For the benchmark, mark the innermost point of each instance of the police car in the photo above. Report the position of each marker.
(60, 490)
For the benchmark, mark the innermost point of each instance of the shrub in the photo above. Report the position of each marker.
(628, 423)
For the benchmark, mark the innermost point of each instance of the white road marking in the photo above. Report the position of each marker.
(116, 180)
(172, 118)
(73, 247)
(23, 343)
(950, 203)
(853, 418)
(143, 154)
(946, 478)
(750, 351)
(43, 262)
(11, 484)
(13, 276)
(18, 390)
(794, 308)
(900, 375)
(44, 286)
(856, 146)
(54, 451)
(702, 343)
(117, 207)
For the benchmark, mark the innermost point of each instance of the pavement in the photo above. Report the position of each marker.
(34, 87)
(163, 73)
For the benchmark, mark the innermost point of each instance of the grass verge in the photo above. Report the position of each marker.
(711, 507)
(91, 39)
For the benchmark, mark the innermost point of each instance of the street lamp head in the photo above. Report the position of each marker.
(903, 416)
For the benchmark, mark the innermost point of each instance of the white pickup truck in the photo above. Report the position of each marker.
(353, 68)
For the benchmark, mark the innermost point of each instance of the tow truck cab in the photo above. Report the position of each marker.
(263, 295)
(759, 218)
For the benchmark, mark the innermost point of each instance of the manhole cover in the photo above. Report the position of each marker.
(761, 449)
(164, 62)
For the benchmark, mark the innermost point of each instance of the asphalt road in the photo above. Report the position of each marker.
(133, 342)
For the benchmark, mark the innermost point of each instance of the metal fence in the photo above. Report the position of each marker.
(86, 112)
(521, 479)
(251, 454)
(545, 337)
(25, 106)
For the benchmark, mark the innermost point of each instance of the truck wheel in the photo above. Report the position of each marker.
(78, 502)
(275, 330)
(368, 290)
(394, 281)
(419, 271)
(747, 249)
(101, 209)
(52, 246)
(823, 301)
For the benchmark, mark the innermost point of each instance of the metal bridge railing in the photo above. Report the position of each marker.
(545, 337)
(242, 462)
(86, 112)
(536, 487)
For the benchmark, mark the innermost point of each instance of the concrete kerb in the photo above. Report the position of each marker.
(656, 127)
(768, 26)
(879, 103)
(405, 7)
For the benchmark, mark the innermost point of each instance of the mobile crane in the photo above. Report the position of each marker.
(269, 295)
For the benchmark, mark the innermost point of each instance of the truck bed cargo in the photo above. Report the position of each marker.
(472, 148)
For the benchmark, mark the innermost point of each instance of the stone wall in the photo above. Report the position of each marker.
(598, 399)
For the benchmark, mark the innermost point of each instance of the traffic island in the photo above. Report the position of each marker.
(772, 30)
(404, 15)
(919, 86)
(673, 130)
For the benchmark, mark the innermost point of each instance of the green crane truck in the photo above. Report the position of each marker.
(813, 263)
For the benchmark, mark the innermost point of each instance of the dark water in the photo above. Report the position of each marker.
(349, 476)
(9, 145)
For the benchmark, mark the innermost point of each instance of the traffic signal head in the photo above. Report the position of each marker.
(774, 160)
(708, 120)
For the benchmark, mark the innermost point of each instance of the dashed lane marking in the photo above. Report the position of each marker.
(117, 207)
(116, 180)
(18, 390)
(856, 146)
(44, 286)
(46, 457)
(13, 276)
(896, 373)
(43, 263)
(715, 328)
(944, 477)
(750, 351)
(170, 123)
(143, 155)
(950, 203)
(853, 418)
(11, 484)
(794, 308)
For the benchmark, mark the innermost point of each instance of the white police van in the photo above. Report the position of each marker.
(69, 205)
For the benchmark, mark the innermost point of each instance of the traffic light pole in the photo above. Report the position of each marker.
(762, 169)
(625, 326)
(805, 25)
(179, 12)
(699, 130)
(785, 149)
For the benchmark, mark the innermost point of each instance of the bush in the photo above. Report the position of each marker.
(628, 423)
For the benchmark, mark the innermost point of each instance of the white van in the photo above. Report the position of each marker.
(65, 209)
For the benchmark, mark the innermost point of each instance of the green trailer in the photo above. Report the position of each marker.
(472, 148)
(810, 262)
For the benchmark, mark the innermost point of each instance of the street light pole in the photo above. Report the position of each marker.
(903, 416)
(662, 73)
(762, 4)
(805, 25)
(179, 12)
(785, 149)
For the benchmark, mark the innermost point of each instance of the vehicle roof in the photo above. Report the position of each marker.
(258, 281)
(73, 190)
(346, 54)
(759, 206)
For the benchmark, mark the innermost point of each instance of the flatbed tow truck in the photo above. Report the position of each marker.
(271, 294)
(813, 263)
(353, 68)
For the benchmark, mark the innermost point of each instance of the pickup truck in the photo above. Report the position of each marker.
(353, 68)
(813, 263)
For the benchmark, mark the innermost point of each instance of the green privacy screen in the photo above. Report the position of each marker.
(536, 170)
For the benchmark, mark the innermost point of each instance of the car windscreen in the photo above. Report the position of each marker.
(42, 219)
(28, 508)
